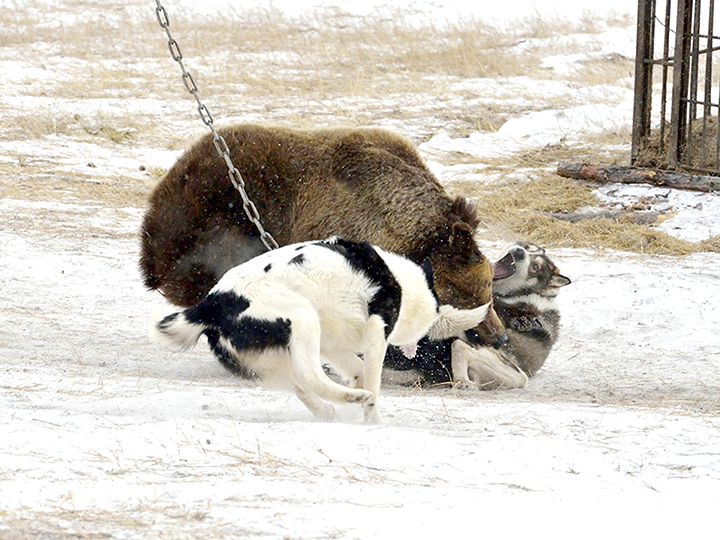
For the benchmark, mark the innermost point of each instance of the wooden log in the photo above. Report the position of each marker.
(621, 216)
(638, 175)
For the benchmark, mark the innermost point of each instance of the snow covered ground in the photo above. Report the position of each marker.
(106, 435)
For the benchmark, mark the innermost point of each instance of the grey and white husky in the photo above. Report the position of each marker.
(525, 288)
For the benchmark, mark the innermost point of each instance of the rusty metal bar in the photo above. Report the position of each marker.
(665, 68)
(692, 96)
(708, 80)
(642, 107)
(681, 75)
(707, 97)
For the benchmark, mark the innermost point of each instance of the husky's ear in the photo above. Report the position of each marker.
(559, 280)
(463, 243)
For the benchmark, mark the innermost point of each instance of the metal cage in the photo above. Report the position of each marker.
(675, 72)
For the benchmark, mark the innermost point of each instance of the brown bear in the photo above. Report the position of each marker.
(361, 184)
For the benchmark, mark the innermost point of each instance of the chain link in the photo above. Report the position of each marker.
(219, 142)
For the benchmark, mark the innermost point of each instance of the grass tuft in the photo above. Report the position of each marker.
(517, 210)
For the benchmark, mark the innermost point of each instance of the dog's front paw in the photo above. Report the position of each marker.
(372, 413)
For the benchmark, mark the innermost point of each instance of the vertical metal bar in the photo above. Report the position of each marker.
(711, 34)
(643, 77)
(708, 83)
(662, 143)
(686, 152)
(707, 100)
(707, 94)
(681, 73)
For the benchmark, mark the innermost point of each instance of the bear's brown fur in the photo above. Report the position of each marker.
(356, 183)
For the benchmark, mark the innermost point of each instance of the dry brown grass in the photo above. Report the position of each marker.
(518, 210)
(30, 182)
(266, 53)
(609, 68)
(366, 48)
(46, 121)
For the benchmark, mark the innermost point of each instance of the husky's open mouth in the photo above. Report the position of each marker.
(504, 268)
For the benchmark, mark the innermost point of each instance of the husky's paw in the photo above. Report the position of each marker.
(525, 323)
(359, 396)
(464, 384)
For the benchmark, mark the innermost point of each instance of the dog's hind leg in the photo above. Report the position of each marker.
(307, 367)
(316, 405)
(348, 365)
(373, 356)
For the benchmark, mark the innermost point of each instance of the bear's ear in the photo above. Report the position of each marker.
(462, 242)
(465, 210)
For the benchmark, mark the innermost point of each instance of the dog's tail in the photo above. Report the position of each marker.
(175, 331)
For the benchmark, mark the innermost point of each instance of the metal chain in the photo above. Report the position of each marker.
(219, 142)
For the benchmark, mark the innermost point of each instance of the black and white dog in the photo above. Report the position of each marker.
(284, 314)
(525, 288)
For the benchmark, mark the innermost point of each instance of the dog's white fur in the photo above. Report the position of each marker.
(326, 301)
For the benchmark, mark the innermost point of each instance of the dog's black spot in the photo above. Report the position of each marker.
(267, 268)
(230, 362)
(162, 326)
(430, 278)
(363, 258)
(333, 245)
(221, 313)
(431, 360)
(297, 259)
(251, 334)
(219, 310)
